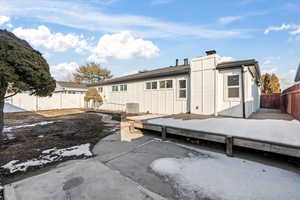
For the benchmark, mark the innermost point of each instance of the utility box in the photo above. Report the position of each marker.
(132, 108)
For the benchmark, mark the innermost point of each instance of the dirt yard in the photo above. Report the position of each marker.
(63, 131)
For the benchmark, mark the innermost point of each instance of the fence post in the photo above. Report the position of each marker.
(229, 144)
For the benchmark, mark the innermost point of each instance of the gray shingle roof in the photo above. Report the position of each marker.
(167, 71)
(71, 84)
(239, 63)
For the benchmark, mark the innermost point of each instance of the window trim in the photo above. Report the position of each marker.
(182, 89)
(227, 87)
(151, 86)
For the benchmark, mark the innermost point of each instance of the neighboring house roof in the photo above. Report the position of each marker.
(71, 85)
(240, 63)
(167, 71)
(298, 74)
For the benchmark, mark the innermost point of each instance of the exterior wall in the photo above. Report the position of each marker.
(290, 99)
(228, 106)
(209, 89)
(252, 94)
(56, 101)
(163, 101)
(234, 107)
(203, 71)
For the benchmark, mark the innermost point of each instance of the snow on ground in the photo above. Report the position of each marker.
(9, 129)
(9, 108)
(280, 131)
(49, 156)
(216, 176)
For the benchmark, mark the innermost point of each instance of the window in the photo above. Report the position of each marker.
(182, 89)
(169, 83)
(154, 85)
(151, 85)
(162, 84)
(100, 89)
(115, 88)
(166, 84)
(148, 85)
(233, 86)
(123, 87)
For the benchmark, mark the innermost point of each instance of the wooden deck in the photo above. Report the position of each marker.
(228, 140)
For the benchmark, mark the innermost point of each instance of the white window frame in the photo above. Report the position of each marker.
(151, 86)
(165, 81)
(227, 87)
(115, 86)
(123, 88)
(100, 89)
(179, 89)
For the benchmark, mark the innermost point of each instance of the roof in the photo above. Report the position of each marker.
(298, 74)
(167, 71)
(240, 63)
(71, 84)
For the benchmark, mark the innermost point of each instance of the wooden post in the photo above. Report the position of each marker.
(229, 144)
(164, 132)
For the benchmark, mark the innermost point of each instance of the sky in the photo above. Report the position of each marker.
(127, 36)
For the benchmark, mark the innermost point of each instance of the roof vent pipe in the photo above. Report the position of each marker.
(210, 52)
(177, 62)
(186, 61)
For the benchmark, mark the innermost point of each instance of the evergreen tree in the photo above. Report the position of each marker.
(91, 73)
(21, 69)
(270, 84)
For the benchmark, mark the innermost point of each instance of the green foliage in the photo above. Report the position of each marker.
(270, 84)
(91, 73)
(92, 94)
(22, 68)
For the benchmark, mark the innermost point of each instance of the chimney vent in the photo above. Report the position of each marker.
(210, 52)
(186, 61)
(177, 62)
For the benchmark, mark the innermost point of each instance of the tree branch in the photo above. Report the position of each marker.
(12, 94)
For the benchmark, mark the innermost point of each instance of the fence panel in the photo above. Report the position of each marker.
(290, 101)
(271, 101)
(56, 101)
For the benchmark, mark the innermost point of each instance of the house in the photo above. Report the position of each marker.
(70, 87)
(205, 86)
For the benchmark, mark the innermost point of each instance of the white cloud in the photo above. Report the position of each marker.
(123, 45)
(225, 59)
(287, 79)
(293, 28)
(228, 19)
(43, 37)
(84, 16)
(4, 20)
(61, 70)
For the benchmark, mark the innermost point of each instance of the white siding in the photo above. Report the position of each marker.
(228, 106)
(203, 85)
(163, 101)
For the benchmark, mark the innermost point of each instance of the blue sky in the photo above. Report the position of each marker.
(126, 36)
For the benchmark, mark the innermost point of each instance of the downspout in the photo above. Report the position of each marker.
(243, 92)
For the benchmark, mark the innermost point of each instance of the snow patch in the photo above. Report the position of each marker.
(9, 108)
(280, 131)
(9, 129)
(216, 176)
(48, 156)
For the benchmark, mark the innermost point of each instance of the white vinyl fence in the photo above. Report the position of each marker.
(56, 101)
